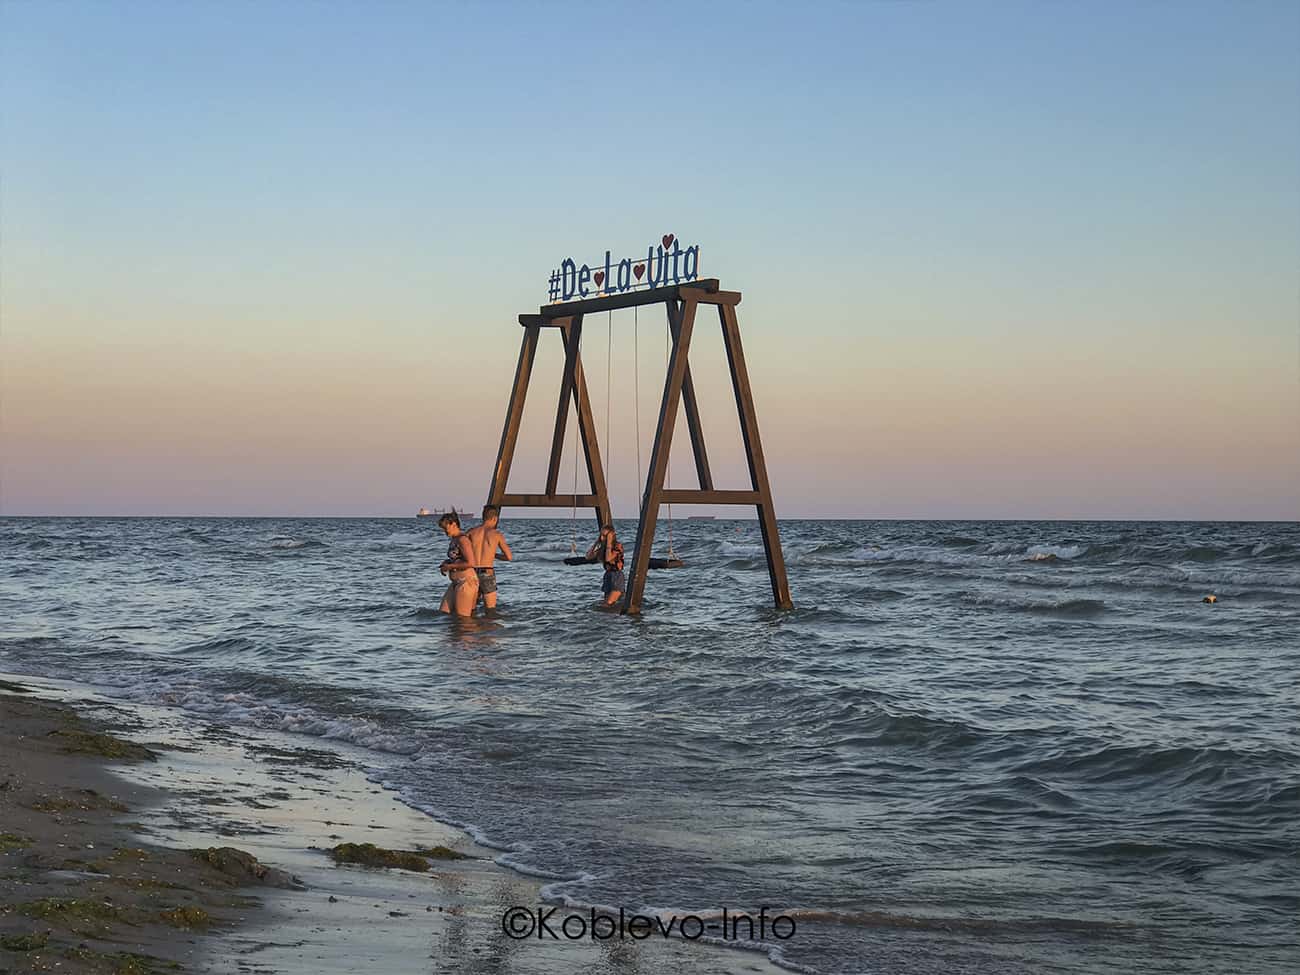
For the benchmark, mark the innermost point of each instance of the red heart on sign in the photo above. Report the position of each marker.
(599, 278)
(668, 241)
(638, 271)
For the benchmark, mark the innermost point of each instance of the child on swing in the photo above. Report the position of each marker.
(609, 551)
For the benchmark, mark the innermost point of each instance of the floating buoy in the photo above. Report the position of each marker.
(1210, 599)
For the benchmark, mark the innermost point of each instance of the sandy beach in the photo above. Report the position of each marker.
(136, 839)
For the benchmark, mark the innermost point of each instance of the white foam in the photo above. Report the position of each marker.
(268, 713)
(556, 546)
(1037, 553)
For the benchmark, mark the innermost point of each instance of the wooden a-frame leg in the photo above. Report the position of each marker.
(693, 425)
(587, 427)
(514, 413)
(573, 386)
(754, 454)
(659, 457)
(570, 330)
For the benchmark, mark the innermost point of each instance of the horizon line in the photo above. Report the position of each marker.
(1127, 520)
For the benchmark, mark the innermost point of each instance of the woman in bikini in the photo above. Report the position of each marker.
(458, 567)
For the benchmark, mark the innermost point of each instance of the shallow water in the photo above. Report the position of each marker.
(972, 747)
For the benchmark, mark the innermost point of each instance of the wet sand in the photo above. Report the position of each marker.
(99, 870)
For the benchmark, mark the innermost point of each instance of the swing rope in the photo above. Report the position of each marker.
(609, 362)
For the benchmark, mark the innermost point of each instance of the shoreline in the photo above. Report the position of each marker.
(81, 890)
(118, 827)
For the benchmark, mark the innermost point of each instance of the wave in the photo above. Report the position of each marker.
(1220, 769)
(219, 646)
(554, 546)
(967, 556)
(1039, 553)
(1063, 607)
(271, 706)
(291, 542)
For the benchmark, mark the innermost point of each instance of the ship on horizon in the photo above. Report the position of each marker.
(438, 513)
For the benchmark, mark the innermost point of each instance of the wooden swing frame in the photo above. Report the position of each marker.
(681, 302)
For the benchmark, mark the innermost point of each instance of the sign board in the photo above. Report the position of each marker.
(667, 262)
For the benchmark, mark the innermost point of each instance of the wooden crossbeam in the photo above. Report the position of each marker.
(688, 496)
(550, 501)
(628, 299)
(718, 297)
(649, 297)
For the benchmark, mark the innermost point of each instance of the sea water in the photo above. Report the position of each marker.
(971, 747)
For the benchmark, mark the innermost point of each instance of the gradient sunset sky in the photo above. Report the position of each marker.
(999, 260)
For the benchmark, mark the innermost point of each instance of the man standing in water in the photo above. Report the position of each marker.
(487, 541)
(458, 567)
(608, 550)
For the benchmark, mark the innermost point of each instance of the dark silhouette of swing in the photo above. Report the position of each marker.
(671, 561)
(681, 302)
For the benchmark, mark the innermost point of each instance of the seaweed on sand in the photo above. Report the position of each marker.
(81, 742)
(369, 855)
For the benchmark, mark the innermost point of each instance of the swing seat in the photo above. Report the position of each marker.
(654, 563)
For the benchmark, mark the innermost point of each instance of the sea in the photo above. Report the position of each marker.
(985, 747)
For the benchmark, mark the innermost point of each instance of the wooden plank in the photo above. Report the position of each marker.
(549, 501)
(691, 496)
(693, 425)
(653, 497)
(754, 454)
(719, 298)
(572, 334)
(587, 431)
(628, 299)
(514, 413)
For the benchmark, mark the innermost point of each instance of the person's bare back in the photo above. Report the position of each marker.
(487, 540)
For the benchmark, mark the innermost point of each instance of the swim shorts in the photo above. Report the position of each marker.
(615, 581)
(487, 580)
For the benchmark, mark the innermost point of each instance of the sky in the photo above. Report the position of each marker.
(998, 260)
